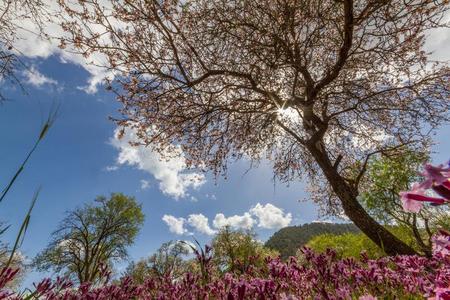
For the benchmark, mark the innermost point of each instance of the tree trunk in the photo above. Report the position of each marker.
(357, 214)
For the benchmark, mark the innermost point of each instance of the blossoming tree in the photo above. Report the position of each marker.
(315, 87)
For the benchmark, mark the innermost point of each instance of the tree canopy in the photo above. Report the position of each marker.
(345, 245)
(167, 262)
(92, 237)
(316, 87)
(238, 251)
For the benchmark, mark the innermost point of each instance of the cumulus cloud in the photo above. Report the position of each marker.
(176, 225)
(266, 216)
(200, 223)
(270, 216)
(174, 179)
(237, 222)
(145, 184)
(37, 79)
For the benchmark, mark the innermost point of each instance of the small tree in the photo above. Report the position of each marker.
(386, 178)
(167, 263)
(314, 86)
(238, 251)
(92, 237)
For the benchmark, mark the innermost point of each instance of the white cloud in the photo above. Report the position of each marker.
(111, 168)
(200, 223)
(267, 216)
(30, 44)
(322, 221)
(176, 225)
(270, 216)
(174, 179)
(37, 79)
(237, 222)
(145, 184)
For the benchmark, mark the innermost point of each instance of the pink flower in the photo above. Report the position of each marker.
(409, 204)
(367, 297)
(441, 243)
(443, 190)
(434, 175)
(441, 294)
(412, 200)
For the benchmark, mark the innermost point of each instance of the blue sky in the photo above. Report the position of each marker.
(72, 166)
(79, 160)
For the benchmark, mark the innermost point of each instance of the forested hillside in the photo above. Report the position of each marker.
(288, 239)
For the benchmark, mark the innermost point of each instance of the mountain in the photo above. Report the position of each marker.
(288, 239)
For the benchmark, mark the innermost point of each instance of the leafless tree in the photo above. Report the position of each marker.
(317, 87)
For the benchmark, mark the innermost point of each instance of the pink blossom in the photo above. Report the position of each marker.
(434, 175)
(437, 179)
(409, 204)
(441, 243)
(367, 297)
(441, 294)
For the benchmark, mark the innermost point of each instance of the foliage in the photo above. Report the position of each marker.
(314, 276)
(345, 245)
(289, 239)
(92, 237)
(387, 176)
(352, 244)
(237, 251)
(166, 263)
(313, 86)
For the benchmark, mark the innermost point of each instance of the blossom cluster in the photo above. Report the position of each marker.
(311, 276)
(436, 181)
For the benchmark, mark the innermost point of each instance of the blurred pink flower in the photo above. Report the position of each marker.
(441, 243)
(441, 294)
(434, 175)
(409, 204)
(367, 297)
(437, 179)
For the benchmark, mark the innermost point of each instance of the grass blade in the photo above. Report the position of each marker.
(23, 228)
(48, 123)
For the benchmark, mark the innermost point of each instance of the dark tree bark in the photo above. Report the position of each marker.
(355, 212)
